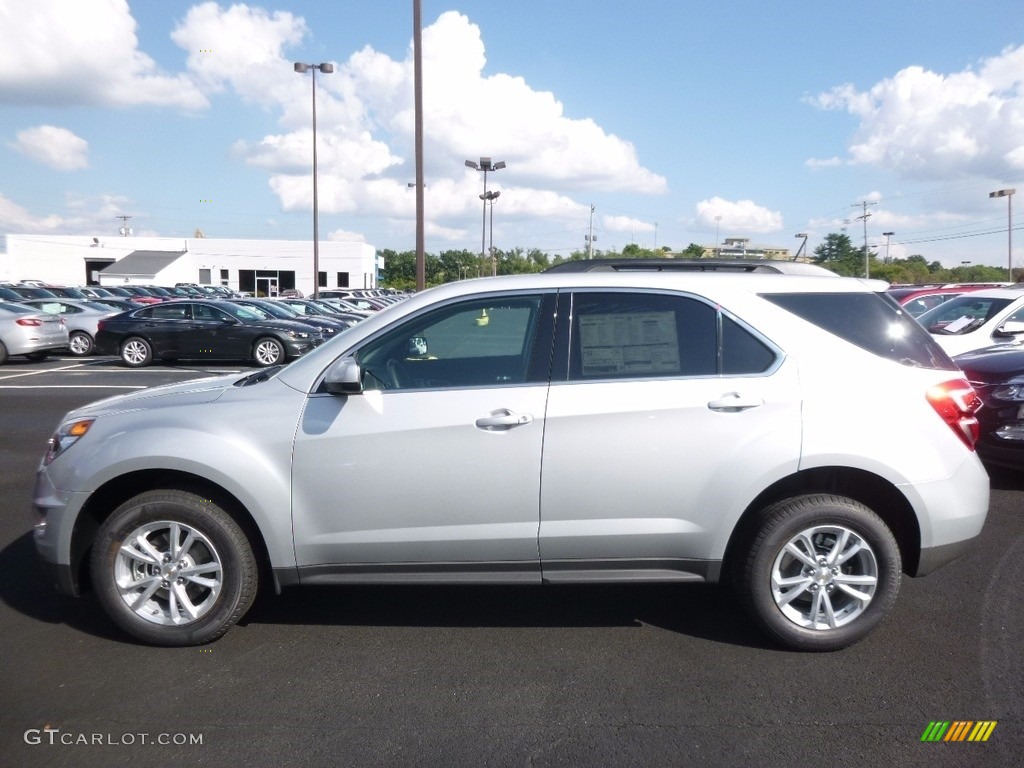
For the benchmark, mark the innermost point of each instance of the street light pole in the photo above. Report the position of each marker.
(887, 236)
(489, 198)
(1008, 194)
(326, 68)
(484, 165)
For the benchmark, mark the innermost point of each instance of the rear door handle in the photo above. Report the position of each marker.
(503, 420)
(734, 402)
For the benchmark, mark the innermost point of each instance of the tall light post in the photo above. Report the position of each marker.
(327, 69)
(887, 236)
(484, 165)
(1008, 194)
(803, 245)
(718, 221)
(489, 199)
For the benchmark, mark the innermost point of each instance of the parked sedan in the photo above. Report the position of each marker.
(977, 320)
(997, 375)
(282, 311)
(29, 332)
(203, 330)
(81, 318)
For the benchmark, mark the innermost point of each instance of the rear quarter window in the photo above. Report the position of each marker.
(870, 321)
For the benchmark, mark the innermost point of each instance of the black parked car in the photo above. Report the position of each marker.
(203, 330)
(283, 311)
(997, 375)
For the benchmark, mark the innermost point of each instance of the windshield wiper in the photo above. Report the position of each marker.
(258, 376)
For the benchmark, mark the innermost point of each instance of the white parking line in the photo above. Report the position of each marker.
(73, 386)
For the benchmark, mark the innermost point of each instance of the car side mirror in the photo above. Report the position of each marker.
(1010, 328)
(344, 377)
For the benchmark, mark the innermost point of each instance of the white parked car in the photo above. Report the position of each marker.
(553, 428)
(977, 319)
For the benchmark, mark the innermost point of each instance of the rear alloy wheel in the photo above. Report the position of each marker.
(80, 343)
(821, 573)
(136, 352)
(172, 568)
(267, 351)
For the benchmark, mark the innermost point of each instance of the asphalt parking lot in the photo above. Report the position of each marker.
(663, 675)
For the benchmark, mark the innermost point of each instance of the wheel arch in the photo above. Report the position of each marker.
(876, 493)
(113, 493)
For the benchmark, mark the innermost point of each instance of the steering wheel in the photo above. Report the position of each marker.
(397, 375)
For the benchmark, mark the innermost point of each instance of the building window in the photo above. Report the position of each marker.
(343, 279)
(224, 277)
(321, 279)
(204, 276)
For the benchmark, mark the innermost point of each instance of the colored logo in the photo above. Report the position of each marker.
(959, 730)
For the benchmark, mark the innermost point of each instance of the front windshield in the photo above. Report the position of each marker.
(963, 314)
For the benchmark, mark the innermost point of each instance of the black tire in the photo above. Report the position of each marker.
(80, 344)
(267, 351)
(150, 598)
(136, 352)
(3, 353)
(791, 597)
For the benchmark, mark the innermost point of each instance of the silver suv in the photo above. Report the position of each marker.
(554, 428)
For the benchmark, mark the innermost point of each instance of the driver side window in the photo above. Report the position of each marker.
(478, 343)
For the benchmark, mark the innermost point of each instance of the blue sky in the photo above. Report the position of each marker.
(677, 121)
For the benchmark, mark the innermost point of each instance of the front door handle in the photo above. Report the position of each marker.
(734, 402)
(503, 420)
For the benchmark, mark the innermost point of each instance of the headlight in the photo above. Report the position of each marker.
(66, 435)
(298, 335)
(1012, 391)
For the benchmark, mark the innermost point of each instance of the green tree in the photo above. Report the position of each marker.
(693, 251)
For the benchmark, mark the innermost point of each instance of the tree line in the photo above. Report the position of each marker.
(836, 252)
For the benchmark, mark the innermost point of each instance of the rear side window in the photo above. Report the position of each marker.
(871, 322)
(645, 335)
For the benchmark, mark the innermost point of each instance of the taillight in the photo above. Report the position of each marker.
(100, 324)
(29, 321)
(957, 403)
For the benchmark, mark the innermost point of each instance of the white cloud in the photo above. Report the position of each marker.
(365, 124)
(67, 52)
(829, 162)
(15, 218)
(55, 147)
(344, 236)
(625, 224)
(929, 125)
(737, 217)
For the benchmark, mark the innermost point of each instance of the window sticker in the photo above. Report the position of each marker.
(629, 343)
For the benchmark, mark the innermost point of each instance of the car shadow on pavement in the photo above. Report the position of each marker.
(34, 597)
(706, 611)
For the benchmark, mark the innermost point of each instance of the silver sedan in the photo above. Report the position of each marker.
(27, 331)
(81, 317)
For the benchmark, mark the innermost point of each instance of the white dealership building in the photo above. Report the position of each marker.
(261, 267)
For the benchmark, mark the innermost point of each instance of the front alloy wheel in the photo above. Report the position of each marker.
(173, 568)
(821, 572)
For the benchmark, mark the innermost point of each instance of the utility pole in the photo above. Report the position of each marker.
(864, 217)
(125, 230)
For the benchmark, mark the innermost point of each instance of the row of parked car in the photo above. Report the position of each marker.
(141, 324)
(982, 329)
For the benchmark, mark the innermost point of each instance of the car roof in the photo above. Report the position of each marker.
(771, 266)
